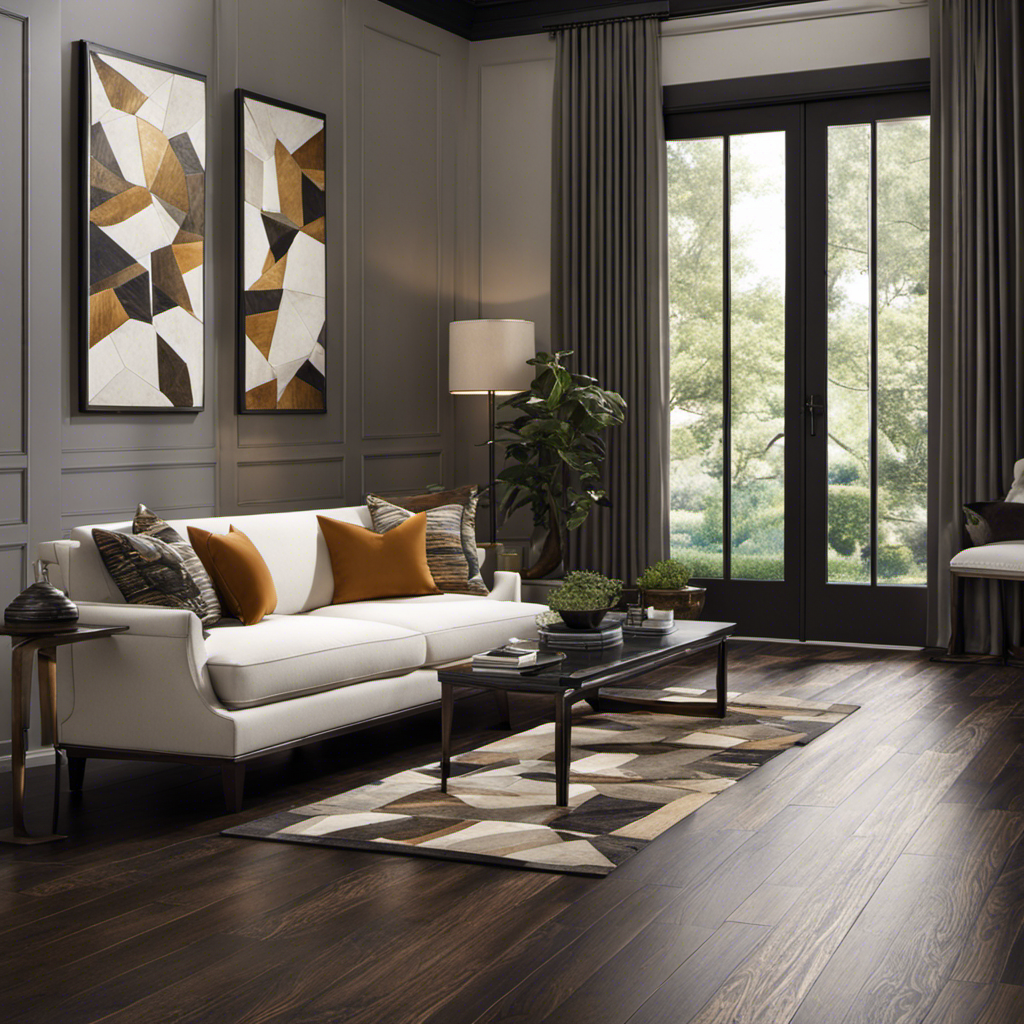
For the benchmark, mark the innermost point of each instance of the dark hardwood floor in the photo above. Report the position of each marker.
(876, 875)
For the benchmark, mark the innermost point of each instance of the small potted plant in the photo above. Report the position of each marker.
(584, 598)
(664, 585)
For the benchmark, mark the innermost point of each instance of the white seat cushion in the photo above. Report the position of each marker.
(288, 656)
(456, 626)
(1002, 556)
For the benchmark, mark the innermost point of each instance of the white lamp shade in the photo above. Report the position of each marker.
(490, 355)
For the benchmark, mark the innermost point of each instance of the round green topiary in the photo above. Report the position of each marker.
(585, 591)
(671, 574)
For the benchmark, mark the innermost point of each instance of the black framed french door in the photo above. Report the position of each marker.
(866, 369)
(798, 358)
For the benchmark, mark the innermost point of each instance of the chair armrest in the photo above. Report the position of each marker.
(507, 586)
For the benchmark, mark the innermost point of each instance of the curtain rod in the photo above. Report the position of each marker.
(657, 15)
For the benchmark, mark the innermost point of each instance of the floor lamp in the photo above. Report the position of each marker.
(488, 357)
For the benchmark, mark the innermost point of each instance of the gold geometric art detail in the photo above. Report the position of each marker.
(106, 314)
(289, 184)
(315, 229)
(259, 329)
(273, 278)
(121, 93)
(121, 206)
(188, 255)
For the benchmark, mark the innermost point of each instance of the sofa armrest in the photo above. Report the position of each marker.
(145, 690)
(56, 556)
(507, 586)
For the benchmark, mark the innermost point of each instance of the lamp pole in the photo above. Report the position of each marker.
(494, 480)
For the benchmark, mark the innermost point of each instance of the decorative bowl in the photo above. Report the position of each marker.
(589, 618)
(685, 603)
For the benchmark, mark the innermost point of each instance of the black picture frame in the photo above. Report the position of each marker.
(193, 218)
(245, 299)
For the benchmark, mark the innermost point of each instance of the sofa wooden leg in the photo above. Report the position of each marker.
(233, 780)
(76, 773)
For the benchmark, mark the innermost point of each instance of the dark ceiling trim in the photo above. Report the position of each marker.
(798, 86)
(452, 15)
(476, 21)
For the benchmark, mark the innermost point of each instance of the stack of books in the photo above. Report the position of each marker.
(557, 634)
(514, 657)
(649, 627)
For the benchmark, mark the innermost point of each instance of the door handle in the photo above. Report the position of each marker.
(814, 407)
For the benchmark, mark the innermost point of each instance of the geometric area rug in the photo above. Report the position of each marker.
(634, 774)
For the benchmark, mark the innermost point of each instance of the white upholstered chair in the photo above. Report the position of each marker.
(1002, 561)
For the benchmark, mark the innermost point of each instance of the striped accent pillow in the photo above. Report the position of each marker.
(148, 571)
(446, 556)
(148, 524)
(466, 496)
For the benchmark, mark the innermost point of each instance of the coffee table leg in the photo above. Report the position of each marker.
(723, 679)
(563, 744)
(447, 710)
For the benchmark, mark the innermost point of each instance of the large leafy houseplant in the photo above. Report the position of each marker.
(557, 450)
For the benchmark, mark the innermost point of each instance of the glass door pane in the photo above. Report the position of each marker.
(877, 351)
(696, 256)
(727, 315)
(902, 290)
(757, 363)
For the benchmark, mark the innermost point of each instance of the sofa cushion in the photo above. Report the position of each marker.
(455, 626)
(1002, 556)
(147, 570)
(287, 656)
(239, 573)
(149, 524)
(446, 556)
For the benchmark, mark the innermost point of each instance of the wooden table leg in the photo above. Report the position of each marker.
(48, 695)
(563, 746)
(722, 681)
(21, 696)
(447, 712)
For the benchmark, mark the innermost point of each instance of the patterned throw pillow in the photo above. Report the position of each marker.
(446, 556)
(149, 524)
(466, 496)
(148, 571)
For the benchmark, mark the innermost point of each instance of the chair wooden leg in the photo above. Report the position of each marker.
(233, 781)
(956, 631)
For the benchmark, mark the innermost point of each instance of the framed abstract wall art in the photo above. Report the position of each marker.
(282, 257)
(143, 230)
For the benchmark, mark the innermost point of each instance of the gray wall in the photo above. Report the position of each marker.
(392, 88)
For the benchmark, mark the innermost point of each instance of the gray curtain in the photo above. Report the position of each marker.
(977, 283)
(608, 272)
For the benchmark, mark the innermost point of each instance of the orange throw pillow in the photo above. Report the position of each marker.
(242, 579)
(368, 565)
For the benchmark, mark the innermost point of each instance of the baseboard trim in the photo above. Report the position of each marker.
(829, 643)
(33, 759)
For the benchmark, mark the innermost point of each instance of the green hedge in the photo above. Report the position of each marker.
(706, 566)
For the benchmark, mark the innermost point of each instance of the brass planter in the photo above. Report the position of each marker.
(686, 603)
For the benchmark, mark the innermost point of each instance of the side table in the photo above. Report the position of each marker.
(27, 641)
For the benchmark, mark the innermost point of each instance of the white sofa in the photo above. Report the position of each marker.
(168, 690)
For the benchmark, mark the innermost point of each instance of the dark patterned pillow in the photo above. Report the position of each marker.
(148, 524)
(445, 555)
(466, 496)
(991, 521)
(148, 571)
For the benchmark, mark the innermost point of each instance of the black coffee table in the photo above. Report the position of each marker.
(581, 675)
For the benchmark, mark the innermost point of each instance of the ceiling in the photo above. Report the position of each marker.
(491, 19)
